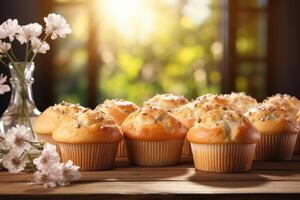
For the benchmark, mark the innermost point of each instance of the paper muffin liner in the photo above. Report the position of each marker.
(154, 153)
(187, 151)
(297, 146)
(48, 138)
(90, 157)
(122, 152)
(275, 147)
(223, 157)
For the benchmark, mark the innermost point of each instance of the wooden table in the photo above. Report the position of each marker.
(274, 180)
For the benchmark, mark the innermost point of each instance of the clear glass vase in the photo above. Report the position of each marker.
(22, 109)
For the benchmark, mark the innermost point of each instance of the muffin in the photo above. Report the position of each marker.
(240, 101)
(213, 99)
(278, 128)
(190, 113)
(292, 104)
(118, 109)
(153, 137)
(48, 121)
(167, 101)
(223, 141)
(89, 138)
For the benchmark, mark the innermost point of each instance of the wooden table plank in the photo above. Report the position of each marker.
(276, 179)
(159, 187)
(188, 174)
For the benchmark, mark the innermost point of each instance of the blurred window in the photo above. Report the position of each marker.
(134, 49)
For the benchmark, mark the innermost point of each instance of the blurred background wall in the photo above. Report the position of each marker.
(134, 49)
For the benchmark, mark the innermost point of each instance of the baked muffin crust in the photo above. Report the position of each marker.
(190, 113)
(118, 109)
(87, 127)
(240, 101)
(47, 122)
(269, 119)
(222, 126)
(213, 99)
(167, 101)
(291, 103)
(152, 124)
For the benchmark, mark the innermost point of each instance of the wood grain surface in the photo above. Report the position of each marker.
(267, 180)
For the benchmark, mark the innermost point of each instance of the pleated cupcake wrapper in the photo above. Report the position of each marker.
(122, 152)
(275, 147)
(48, 138)
(223, 157)
(154, 153)
(187, 151)
(297, 147)
(90, 157)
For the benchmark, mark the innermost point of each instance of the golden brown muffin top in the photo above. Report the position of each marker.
(213, 99)
(283, 100)
(152, 124)
(190, 113)
(269, 118)
(240, 101)
(118, 109)
(47, 122)
(167, 101)
(87, 127)
(222, 126)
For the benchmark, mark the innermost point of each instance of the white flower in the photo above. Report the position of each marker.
(51, 172)
(14, 162)
(58, 174)
(38, 46)
(49, 157)
(28, 32)
(8, 29)
(3, 87)
(4, 47)
(56, 25)
(42, 178)
(70, 172)
(18, 137)
(49, 178)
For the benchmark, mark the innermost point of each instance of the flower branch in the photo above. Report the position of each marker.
(18, 143)
(49, 171)
(55, 26)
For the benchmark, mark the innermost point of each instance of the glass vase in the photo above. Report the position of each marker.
(22, 109)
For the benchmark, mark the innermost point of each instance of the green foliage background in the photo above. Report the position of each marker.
(177, 58)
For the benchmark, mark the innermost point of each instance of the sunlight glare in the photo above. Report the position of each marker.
(132, 18)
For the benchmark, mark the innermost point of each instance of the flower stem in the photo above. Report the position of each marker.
(24, 152)
(24, 107)
(29, 52)
(20, 77)
(26, 54)
(37, 145)
(3, 62)
(34, 55)
(27, 114)
(4, 151)
(31, 160)
(9, 56)
(13, 54)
